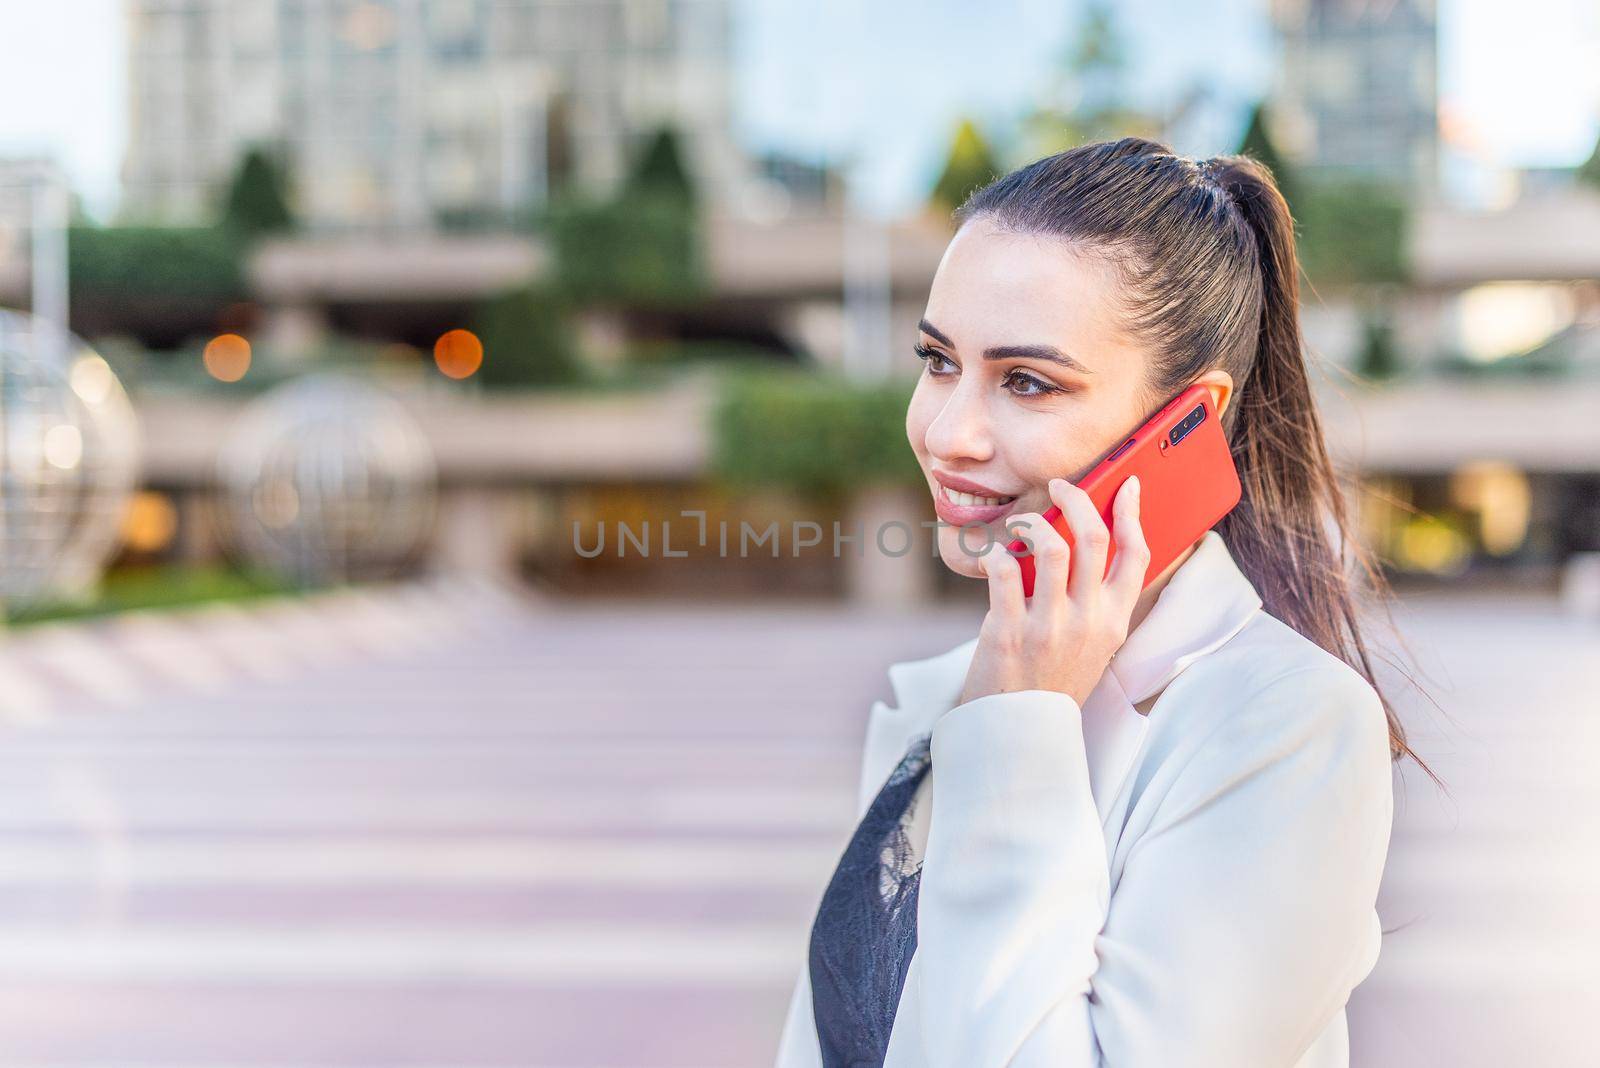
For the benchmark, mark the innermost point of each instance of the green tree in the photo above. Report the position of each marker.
(1259, 146)
(642, 250)
(659, 169)
(257, 199)
(1379, 357)
(639, 247)
(1352, 232)
(970, 166)
(527, 339)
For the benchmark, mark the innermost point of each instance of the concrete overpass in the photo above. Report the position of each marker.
(1430, 426)
(512, 467)
(1544, 237)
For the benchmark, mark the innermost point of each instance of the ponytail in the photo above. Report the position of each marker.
(1291, 506)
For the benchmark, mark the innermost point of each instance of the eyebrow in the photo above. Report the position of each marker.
(1013, 352)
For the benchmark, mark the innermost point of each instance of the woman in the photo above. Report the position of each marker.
(1118, 827)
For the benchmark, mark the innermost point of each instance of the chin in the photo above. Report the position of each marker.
(963, 561)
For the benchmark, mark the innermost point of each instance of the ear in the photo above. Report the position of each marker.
(1220, 384)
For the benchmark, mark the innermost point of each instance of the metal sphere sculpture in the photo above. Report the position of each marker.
(69, 460)
(327, 479)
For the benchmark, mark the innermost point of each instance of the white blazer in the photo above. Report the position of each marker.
(1195, 887)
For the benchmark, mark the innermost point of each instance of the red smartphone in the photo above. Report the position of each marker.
(1187, 481)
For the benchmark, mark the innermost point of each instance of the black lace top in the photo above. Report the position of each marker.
(866, 925)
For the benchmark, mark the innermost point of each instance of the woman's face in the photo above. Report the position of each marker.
(1029, 376)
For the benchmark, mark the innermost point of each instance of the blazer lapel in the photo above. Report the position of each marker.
(923, 690)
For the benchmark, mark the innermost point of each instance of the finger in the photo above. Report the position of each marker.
(1052, 558)
(1005, 582)
(1133, 554)
(1091, 540)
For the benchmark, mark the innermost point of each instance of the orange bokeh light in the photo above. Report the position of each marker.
(227, 357)
(458, 353)
(150, 522)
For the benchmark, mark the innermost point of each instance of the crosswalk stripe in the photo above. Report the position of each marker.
(129, 658)
(80, 659)
(621, 953)
(589, 808)
(24, 701)
(241, 640)
(442, 860)
(165, 647)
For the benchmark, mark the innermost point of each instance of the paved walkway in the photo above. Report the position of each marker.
(1490, 891)
(593, 837)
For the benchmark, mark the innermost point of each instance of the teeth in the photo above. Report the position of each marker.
(968, 500)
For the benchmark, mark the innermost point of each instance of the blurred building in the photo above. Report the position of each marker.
(405, 119)
(400, 114)
(19, 177)
(804, 183)
(34, 194)
(1357, 87)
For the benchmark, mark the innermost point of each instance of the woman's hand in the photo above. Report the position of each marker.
(1063, 637)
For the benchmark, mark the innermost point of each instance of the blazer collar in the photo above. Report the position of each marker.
(1206, 601)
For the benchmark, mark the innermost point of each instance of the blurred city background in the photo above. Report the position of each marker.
(376, 377)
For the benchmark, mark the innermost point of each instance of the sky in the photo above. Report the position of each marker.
(883, 84)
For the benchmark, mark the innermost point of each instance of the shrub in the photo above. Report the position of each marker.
(527, 339)
(184, 264)
(640, 249)
(816, 433)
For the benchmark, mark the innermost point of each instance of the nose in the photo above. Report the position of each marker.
(961, 430)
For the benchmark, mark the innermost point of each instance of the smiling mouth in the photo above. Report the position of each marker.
(969, 500)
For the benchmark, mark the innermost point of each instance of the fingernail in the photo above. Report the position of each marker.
(1135, 482)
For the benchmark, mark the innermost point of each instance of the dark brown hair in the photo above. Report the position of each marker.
(1205, 252)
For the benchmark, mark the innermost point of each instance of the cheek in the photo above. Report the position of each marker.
(1042, 449)
(1035, 442)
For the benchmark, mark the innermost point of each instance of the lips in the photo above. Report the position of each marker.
(966, 485)
(959, 501)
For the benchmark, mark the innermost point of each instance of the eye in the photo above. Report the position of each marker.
(1033, 387)
(934, 360)
(1019, 383)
